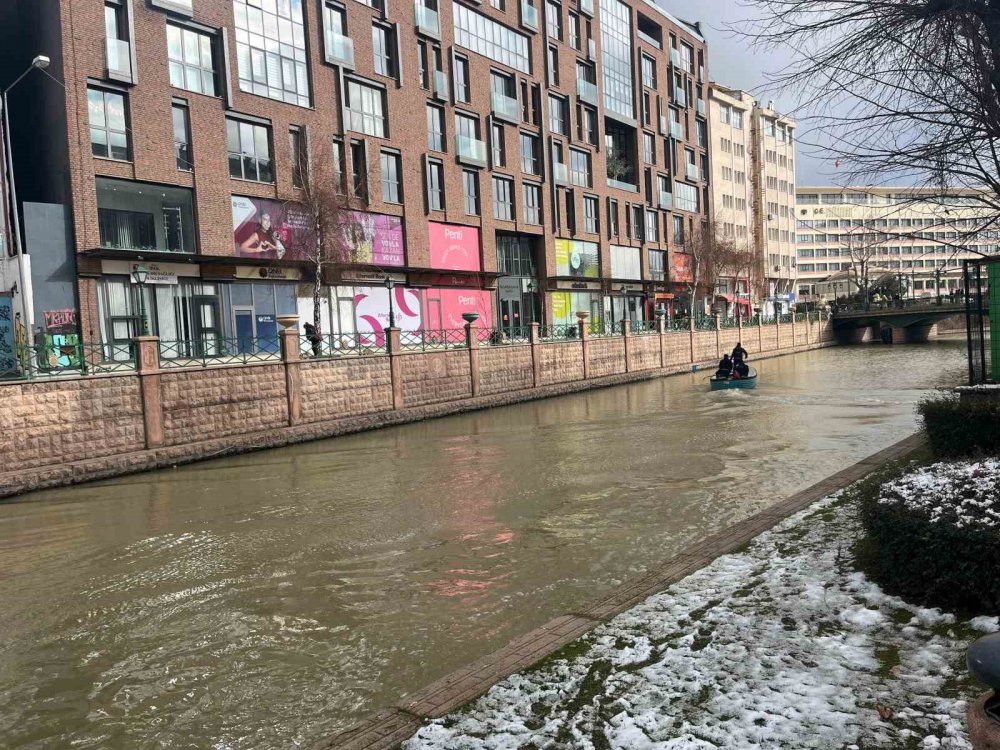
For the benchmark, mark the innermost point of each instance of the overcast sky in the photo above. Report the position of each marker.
(732, 64)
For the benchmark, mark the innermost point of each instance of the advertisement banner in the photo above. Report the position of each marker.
(454, 247)
(681, 267)
(577, 258)
(444, 308)
(371, 310)
(270, 230)
(376, 239)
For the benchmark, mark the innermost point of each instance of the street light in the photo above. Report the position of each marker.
(139, 274)
(41, 62)
(624, 289)
(390, 284)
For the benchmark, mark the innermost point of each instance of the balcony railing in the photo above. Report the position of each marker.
(651, 41)
(505, 107)
(675, 57)
(529, 15)
(441, 85)
(693, 173)
(681, 97)
(471, 150)
(560, 173)
(666, 199)
(587, 6)
(623, 185)
(676, 131)
(119, 59)
(339, 49)
(426, 19)
(586, 90)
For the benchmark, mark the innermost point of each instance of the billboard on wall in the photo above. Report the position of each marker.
(443, 308)
(417, 310)
(454, 247)
(577, 258)
(681, 267)
(270, 230)
(375, 238)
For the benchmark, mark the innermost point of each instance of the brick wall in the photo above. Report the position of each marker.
(643, 353)
(344, 388)
(607, 357)
(507, 368)
(436, 376)
(561, 362)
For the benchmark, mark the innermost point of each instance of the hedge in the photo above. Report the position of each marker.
(956, 429)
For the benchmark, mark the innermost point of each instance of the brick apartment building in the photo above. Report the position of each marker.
(473, 139)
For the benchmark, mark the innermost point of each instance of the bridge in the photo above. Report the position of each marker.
(903, 322)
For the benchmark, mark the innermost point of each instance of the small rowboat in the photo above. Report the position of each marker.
(720, 384)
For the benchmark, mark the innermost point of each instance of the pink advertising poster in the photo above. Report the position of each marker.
(371, 306)
(443, 308)
(454, 247)
(376, 239)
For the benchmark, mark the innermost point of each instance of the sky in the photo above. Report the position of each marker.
(730, 62)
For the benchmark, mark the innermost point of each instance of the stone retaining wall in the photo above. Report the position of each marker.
(76, 429)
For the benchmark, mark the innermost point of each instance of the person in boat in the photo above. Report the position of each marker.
(739, 353)
(742, 369)
(725, 367)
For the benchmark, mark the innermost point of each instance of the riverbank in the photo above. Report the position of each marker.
(67, 431)
(389, 728)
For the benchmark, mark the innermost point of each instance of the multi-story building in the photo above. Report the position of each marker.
(916, 237)
(519, 161)
(753, 189)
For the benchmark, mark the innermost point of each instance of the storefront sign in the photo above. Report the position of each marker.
(270, 230)
(581, 285)
(454, 247)
(167, 272)
(577, 258)
(8, 359)
(268, 272)
(374, 238)
(374, 277)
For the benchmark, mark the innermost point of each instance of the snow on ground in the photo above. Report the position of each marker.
(968, 487)
(784, 645)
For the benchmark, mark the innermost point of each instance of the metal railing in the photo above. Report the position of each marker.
(704, 324)
(421, 341)
(53, 360)
(729, 322)
(505, 335)
(605, 328)
(644, 327)
(218, 350)
(559, 332)
(678, 324)
(340, 345)
(785, 318)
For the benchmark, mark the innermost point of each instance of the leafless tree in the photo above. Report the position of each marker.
(895, 90)
(712, 257)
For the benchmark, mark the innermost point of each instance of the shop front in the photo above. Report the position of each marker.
(576, 286)
(518, 298)
(627, 297)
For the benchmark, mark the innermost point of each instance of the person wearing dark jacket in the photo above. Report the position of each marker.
(314, 338)
(725, 367)
(739, 353)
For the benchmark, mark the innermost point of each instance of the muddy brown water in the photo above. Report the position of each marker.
(268, 600)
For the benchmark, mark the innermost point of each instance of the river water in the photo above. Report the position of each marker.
(267, 600)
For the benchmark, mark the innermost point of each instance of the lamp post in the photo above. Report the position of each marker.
(139, 274)
(41, 62)
(390, 284)
(530, 289)
(624, 289)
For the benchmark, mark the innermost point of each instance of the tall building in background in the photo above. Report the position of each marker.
(523, 159)
(911, 240)
(753, 190)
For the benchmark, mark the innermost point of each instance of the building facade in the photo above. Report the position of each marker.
(912, 240)
(518, 159)
(753, 190)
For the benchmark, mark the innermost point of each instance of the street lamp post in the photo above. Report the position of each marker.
(41, 62)
(139, 274)
(624, 290)
(390, 284)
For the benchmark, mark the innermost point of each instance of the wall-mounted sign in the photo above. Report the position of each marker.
(454, 247)
(268, 272)
(594, 286)
(577, 258)
(371, 277)
(375, 238)
(153, 270)
(270, 230)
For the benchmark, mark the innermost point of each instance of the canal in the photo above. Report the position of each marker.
(267, 600)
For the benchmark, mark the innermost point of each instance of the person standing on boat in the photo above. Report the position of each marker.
(725, 367)
(739, 353)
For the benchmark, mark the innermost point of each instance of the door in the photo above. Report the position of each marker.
(510, 314)
(207, 334)
(243, 326)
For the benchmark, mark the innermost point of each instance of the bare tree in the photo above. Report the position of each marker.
(712, 256)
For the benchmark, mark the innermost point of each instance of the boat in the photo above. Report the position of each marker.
(720, 384)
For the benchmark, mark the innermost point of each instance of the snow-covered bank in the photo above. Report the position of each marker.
(961, 493)
(784, 645)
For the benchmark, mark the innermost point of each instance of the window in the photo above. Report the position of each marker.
(648, 72)
(271, 50)
(529, 154)
(574, 31)
(108, 128)
(392, 177)
(118, 52)
(652, 226)
(191, 61)
(366, 109)
(499, 146)
(470, 189)
(657, 264)
(359, 169)
(296, 147)
(553, 20)
(503, 199)
(500, 5)
(462, 79)
(570, 212)
(579, 168)
(182, 138)
(485, 36)
(638, 224)
(558, 115)
(553, 66)
(139, 216)
(701, 128)
(249, 151)
(532, 203)
(435, 128)
(587, 125)
(648, 148)
(677, 230)
(616, 47)
(384, 50)
(685, 197)
(612, 217)
(338, 166)
(737, 120)
(591, 222)
(724, 111)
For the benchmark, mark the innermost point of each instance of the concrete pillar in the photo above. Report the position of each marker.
(661, 325)
(147, 361)
(536, 355)
(290, 356)
(793, 331)
(585, 345)
(472, 342)
(691, 334)
(626, 335)
(760, 333)
(718, 335)
(395, 366)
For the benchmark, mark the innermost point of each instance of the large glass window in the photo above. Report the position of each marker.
(392, 177)
(529, 154)
(503, 199)
(480, 34)
(144, 217)
(616, 43)
(182, 138)
(108, 128)
(470, 190)
(435, 128)
(191, 61)
(685, 197)
(384, 50)
(579, 168)
(271, 49)
(516, 255)
(249, 147)
(532, 203)
(366, 109)
(558, 115)
(553, 19)
(435, 186)
(590, 218)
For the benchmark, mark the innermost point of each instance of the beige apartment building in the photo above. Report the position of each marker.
(916, 237)
(753, 190)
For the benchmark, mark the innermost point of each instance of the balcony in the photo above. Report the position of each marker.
(622, 185)
(676, 131)
(143, 217)
(680, 97)
(440, 85)
(701, 107)
(560, 173)
(587, 6)
(339, 49)
(666, 200)
(675, 57)
(692, 171)
(471, 151)
(529, 15)
(427, 20)
(505, 107)
(586, 90)
(118, 55)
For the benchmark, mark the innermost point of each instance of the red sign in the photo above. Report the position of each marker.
(681, 267)
(454, 247)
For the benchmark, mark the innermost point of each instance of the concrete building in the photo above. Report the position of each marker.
(753, 190)
(917, 238)
(519, 161)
